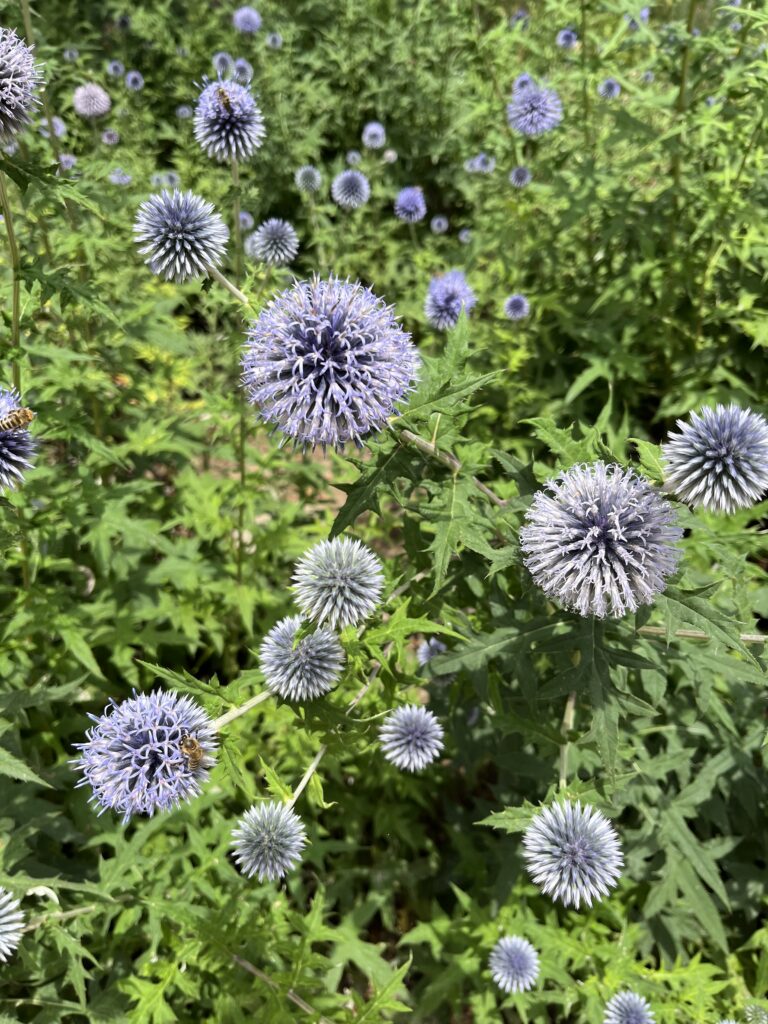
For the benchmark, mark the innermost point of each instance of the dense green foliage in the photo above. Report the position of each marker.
(153, 543)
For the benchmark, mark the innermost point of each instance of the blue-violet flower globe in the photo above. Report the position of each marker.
(274, 242)
(184, 235)
(374, 135)
(447, 295)
(302, 670)
(228, 121)
(411, 737)
(350, 190)
(514, 964)
(517, 307)
(410, 205)
(338, 581)
(246, 19)
(534, 111)
(11, 924)
(628, 1008)
(268, 841)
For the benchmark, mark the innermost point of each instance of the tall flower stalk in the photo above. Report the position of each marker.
(13, 251)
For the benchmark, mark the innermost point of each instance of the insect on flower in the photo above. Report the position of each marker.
(193, 751)
(16, 419)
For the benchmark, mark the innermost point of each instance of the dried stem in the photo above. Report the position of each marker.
(289, 995)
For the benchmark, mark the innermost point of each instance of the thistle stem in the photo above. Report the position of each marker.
(13, 249)
(238, 229)
(698, 634)
(307, 776)
(290, 995)
(680, 102)
(63, 915)
(218, 724)
(446, 459)
(217, 275)
(568, 717)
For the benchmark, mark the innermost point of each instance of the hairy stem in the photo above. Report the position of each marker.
(568, 716)
(13, 250)
(217, 275)
(307, 776)
(230, 716)
(446, 459)
(237, 228)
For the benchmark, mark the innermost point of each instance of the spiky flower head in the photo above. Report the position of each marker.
(523, 81)
(58, 126)
(71, 54)
(428, 649)
(600, 540)
(609, 89)
(727, 1020)
(274, 242)
(115, 68)
(534, 111)
(327, 362)
(374, 135)
(246, 19)
(628, 1008)
(719, 459)
(520, 177)
(480, 164)
(354, 157)
(411, 737)
(67, 161)
(308, 179)
(11, 924)
(439, 224)
(228, 122)
(184, 235)
(136, 758)
(246, 220)
(184, 111)
(268, 841)
(134, 80)
(274, 40)
(350, 190)
(20, 79)
(410, 205)
(223, 63)
(91, 101)
(119, 177)
(567, 38)
(300, 670)
(17, 446)
(573, 853)
(243, 70)
(447, 295)
(110, 137)
(338, 581)
(514, 964)
(517, 307)
(465, 236)
(755, 1014)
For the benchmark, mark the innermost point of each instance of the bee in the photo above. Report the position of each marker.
(191, 749)
(16, 419)
(224, 99)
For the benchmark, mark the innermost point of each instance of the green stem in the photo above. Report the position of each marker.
(568, 717)
(307, 776)
(680, 102)
(589, 149)
(13, 249)
(226, 283)
(238, 228)
(315, 222)
(230, 716)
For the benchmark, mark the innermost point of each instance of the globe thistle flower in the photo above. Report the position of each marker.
(755, 1014)
(243, 70)
(567, 38)
(439, 224)
(350, 190)
(118, 176)
(609, 89)
(11, 924)
(70, 54)
(20, 79)
(410, 205)
(274, 41)
(308, 179)
(91, 101)
(523, 81)
(184, 235)
(480, 164)
(520, 177)
(719, 459)
(110, 137)
(67, 161)
(648, 76)
(633, 24)
(465, 236)
(10, 148)
(447, 295)
(338, 581)
(429, 649)
(171, 179)
(135, 758)
(184, 111)
(520, 17)
(58, 126)
(134, 80)
(268, 841)
(304, 670)
(246, 19)
(411, 737)
(274, 242)
(246, 220)
(389, 156)
(223, 63)
(374, 135)
(572, 853)
(228, 122)
(534, 111)
(327, 363)
(17, 446)
(600, 540)
(115, 68)
(517, 307)
(354, 156)
(514, 964)
(628, 1008)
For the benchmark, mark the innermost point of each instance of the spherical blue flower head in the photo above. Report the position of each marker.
(567, 38)
(523, 81)
(628, 1008)
(91, 101)
(246, 19)
(243, 70)
(20, 79)
(67, 161)
(633, 23)
(517, 307)
(350, 190)
(133, 758)
(719, 459)
(70, 54)
(110, 137)
(447, 295)
(389, 156)
(17, 446)
(246, 220)
(224, 64)
(184, 111)
(228, 122)
(520, 17)
(268, 841)
(184, 235)
(600, 540)
(535, 111)
(338, 581)
(755, 1014)
(410, 205)
(11, 924)
(327, 363)
(429, 649)
(411, 737)
(573, 853)
(609, 89)
(274, 242)
(274, 41)
(119, 177)
(480, 164)
(520, 177)
(354, 156)
(439, 224)
(374, 135)
(115, 68)
(308, 179)
(304, 670)
(514, 964)
(134, 80)
(648, 76)
(59, 128)
(465, 236)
